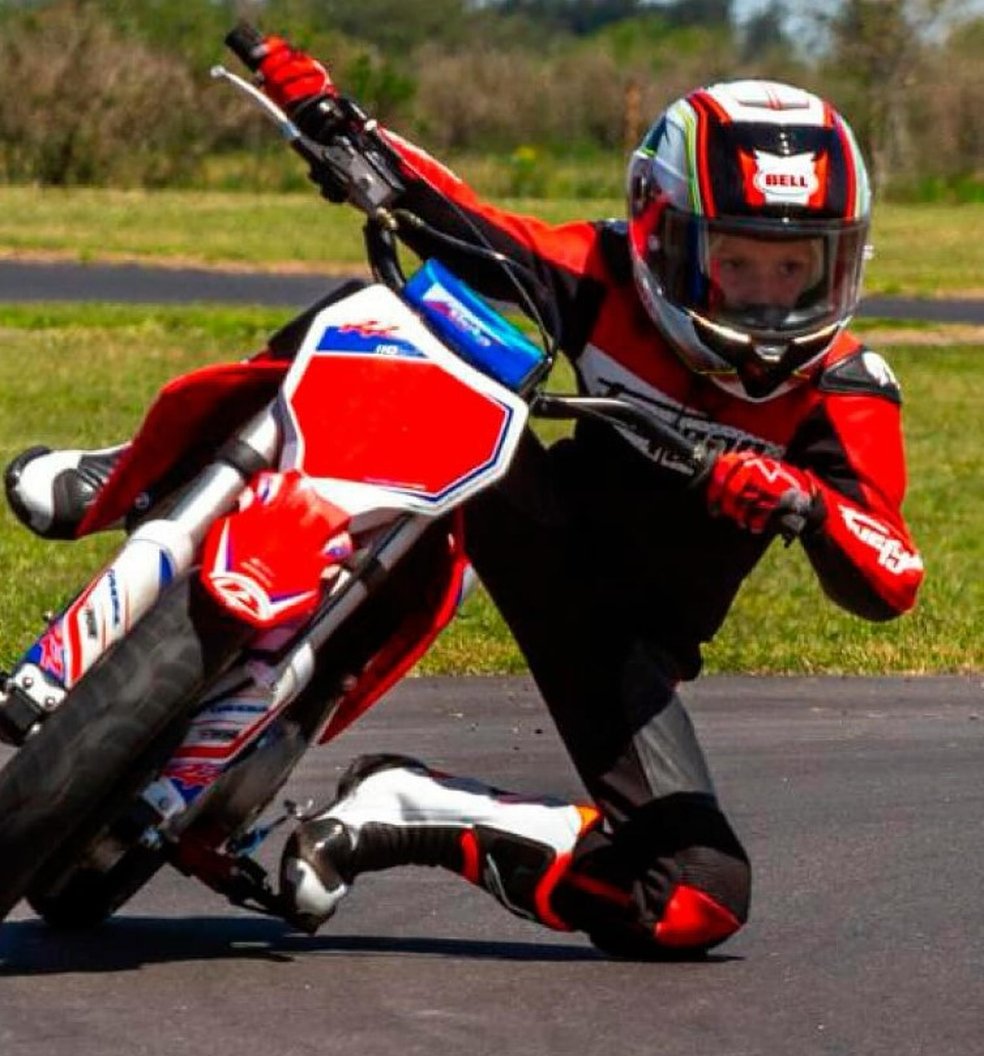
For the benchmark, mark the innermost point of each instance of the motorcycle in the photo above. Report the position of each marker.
(302, 550)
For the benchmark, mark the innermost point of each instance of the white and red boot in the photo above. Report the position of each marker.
(392, 810)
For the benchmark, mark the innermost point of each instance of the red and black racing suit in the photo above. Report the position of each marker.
(611, 574)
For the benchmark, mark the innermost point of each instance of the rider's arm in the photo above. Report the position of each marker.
(560, 268)
(852, 448)
(563, 261)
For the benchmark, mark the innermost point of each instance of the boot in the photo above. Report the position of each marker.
(392, 810)
(51, 491)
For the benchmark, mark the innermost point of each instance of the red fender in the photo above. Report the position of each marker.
(189, 418)
(266, 562)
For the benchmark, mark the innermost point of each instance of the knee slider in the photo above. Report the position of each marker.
(709, 902)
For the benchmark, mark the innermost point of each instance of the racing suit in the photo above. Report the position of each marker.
(611, 574)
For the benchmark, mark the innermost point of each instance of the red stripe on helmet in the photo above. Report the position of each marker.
(850, 170)
(819, 197)
(706, 107)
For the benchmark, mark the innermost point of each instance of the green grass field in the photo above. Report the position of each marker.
(83, 374)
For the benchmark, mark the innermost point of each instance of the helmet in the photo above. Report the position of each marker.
(749, 207)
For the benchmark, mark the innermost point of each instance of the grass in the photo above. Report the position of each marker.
(84, 374)
(920, 249)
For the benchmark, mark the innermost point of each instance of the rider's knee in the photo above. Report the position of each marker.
(674, 881)
(684, 918)
(709, 902)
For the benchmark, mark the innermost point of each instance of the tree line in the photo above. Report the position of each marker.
(116, 92)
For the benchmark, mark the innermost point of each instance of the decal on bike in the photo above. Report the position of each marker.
(216, 737)
(48, 652)
(267, 562)
(439, 300)
(99, 616)
(423, 426)
(405, 425)
(367, 339)
(191, 778)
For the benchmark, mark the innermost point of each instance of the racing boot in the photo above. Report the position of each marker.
(392, 810)
(51, 491)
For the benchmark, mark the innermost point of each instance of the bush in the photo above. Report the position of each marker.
(81, 105)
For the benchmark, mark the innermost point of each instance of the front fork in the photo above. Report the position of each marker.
(157, 552)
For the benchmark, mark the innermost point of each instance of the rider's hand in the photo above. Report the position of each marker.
(289, 76)
(760, 493)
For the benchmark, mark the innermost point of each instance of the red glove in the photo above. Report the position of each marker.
(289, 76)
(759, 492)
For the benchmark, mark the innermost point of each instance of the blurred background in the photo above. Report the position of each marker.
(539, 98)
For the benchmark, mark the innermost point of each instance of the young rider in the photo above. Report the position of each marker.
(721, 304)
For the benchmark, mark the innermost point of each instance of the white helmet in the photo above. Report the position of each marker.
(749, 207)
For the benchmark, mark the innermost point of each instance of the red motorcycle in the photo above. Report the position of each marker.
(304, 550)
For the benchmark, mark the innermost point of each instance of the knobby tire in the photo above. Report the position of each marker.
(73, 777)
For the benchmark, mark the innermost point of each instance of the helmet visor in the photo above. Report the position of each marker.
(767, 280)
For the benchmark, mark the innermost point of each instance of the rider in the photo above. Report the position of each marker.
(721, 305)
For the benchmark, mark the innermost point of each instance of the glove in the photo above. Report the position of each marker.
(289, 77)
(300, 85)
(761, 493)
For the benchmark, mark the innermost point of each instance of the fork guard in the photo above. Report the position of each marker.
(266, 562)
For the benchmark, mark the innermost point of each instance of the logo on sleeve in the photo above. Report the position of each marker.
(892, 554)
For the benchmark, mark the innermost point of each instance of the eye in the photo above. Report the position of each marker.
(732, 265)
(792, 269)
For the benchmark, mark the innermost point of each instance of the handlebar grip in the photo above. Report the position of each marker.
(246, 43)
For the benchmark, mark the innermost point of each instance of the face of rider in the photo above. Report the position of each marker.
(755, 272)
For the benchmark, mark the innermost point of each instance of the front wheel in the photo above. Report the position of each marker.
(113, 730)
(88, 896)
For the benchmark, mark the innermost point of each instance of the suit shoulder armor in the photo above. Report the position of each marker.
(862, 372)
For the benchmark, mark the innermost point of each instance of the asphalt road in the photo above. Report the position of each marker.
(127, 283)
(859, 801)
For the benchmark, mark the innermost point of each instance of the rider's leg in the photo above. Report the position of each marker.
(664, 873)
(666, 870)
(51, 491)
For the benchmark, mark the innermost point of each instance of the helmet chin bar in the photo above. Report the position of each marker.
(765, 361)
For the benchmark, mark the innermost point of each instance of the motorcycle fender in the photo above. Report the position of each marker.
(190, 416)
(266, 563)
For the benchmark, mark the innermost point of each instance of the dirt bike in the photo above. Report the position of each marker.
(302, 551)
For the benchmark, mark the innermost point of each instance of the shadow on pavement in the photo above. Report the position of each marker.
(130, 943)
(32, 948)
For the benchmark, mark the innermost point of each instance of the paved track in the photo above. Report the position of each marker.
(858, 799)
(131, 284)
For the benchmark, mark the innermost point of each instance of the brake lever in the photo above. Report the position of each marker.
(362, 174)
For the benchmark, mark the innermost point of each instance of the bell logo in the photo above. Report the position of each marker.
(778, 180)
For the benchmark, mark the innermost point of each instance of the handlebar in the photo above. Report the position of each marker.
(698, 454)
(658, 433)
(348, 158)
